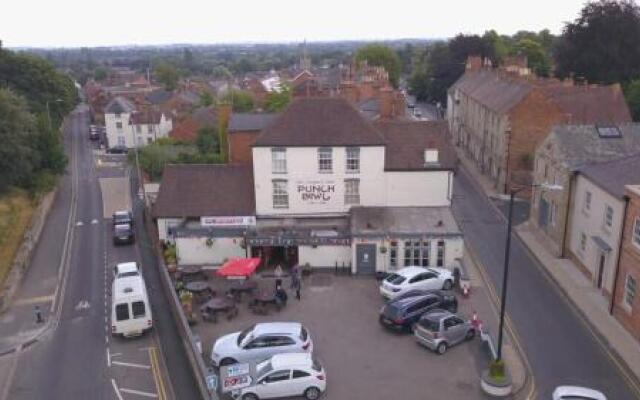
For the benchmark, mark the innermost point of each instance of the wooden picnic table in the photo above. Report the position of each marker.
(262, 299)
(200, 289)
(209, 310)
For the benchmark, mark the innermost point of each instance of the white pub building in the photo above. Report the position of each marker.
(326, 188)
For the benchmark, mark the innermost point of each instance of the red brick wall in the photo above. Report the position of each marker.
(629, 264)
(240, 146)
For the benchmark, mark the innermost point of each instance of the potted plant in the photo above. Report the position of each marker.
(383, 249)
(171, 258)
(495, 380)
(186, 300)
(209, 242)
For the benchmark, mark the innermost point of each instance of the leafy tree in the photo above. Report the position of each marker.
(100, 74)
(499, 44)
(240, 100)
(537, 58)
(603, 44)
(168, 75)
(381, 56)
(206, 99)
(632, 94)
(153, 158)
(278, 101)
(207, 141)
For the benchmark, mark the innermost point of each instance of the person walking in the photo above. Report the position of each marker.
(278, 274)
(294, 275)
(39, 318)
(297, 286)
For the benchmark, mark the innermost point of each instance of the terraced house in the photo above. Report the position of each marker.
(500, 115)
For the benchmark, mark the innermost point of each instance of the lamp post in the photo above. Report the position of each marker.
(507, 250)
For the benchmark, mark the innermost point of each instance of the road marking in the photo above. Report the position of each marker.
(157, 376)
(132, 365)
(140, 393)
(94, 221)
(108, 358)
(115, 389)
(34, 300)
(82, 305)
(79, 223)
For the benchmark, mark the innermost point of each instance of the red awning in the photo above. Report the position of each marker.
(239, 267)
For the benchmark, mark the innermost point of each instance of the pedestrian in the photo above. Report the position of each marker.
(297, 287)
(281, 296)
(278, 274)
(39, 318)
(294, 275)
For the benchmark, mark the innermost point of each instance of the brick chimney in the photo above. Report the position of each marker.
(474, 63)
(386, 103)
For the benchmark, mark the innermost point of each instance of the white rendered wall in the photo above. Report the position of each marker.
(194, 251)
(324, 256)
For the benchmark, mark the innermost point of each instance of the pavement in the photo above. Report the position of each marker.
(560, 346)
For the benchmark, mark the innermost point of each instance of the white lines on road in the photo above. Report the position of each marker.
(79, 223)
(115, 389)
(108, 358)
(82, 305)
(140, 393)
(94, 221)
(132, 365)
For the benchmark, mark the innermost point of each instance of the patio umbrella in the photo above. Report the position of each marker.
(239, 267)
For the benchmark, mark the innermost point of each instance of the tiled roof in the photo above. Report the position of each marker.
(591, 104)
(250, 121)
(497, 93)
(159, 96)
(119, 105)
(406, 142)
(612, 176)
(320, 121)
(579, 145)
(145, 117)
(205, 190)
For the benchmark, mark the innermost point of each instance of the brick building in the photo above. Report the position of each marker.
(499, 116)
(243, 130)
(626, 307)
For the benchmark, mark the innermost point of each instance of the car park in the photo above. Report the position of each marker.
(411, 278)
(401, 314)
(261, 341)
(286, 375)
(577, 393)
(123, 234)
(440, 329)
(122, 217)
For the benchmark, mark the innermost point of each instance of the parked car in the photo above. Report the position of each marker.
(122, 217)
(410, 278)
(577, 393)
(123, 234)
(286, 375)
(126, 269)
(401, 314)
(117, 150)
(440, 329)
(261, 341)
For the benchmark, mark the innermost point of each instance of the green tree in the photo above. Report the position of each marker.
(498, 43)
(206, 99)
(537, 58)
(381, 56)
(207, 141)
(603, 44)
(100, 74)
(240, 100)
(632, 94)
(153, 158)
(278, 100)
(168, 75)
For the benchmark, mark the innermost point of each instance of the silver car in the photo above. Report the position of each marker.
(260, 342)
(440, 329)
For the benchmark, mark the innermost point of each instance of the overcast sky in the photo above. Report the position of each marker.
(73, 23)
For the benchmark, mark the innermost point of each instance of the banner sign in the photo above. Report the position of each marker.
(228, 221)
(309, 241)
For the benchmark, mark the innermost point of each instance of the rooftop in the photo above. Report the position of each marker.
(399, 221)
(119, 105)
(614, 175)
(250, 121)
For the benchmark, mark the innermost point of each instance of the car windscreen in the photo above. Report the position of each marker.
(244, 334)
(126, 274)
(395, 279)
(264, 367)
(122, 229)
(303, 334)
(430, 324)
(316, 364)
(392, 311)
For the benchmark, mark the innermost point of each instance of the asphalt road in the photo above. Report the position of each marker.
(79, 359)
(559, 345)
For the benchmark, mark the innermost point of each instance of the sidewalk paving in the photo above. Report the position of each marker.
(586, 298)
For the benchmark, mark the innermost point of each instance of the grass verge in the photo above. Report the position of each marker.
(16, 209)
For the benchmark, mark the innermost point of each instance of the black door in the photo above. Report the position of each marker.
(600, 270)
(366, 259)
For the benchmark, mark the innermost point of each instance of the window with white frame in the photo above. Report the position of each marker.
(583, 242)
(325, 160)
(440, 255)
(608, 216)
(352, 191)
(587, 201)
(353, 159)
(121, 141)
(393, 254)
(636, 232)
(278, 160)
(630, 287)
(280, 194)
(417, 253)
(119, 125)
(150, 128)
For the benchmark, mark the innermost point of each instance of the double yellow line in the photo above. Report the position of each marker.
(157, 374)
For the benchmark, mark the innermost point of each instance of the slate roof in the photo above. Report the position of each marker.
(249, 121)
(145, 117)
(320, 121)
(119, 105)
(612, 176)
(205, 190)
(406, 142)
(591, 104)
(399, 221)
(159, 96)
(205, 116)
(579, 145)
(495, 92)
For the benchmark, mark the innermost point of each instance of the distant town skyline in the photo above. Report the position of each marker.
(72, 23)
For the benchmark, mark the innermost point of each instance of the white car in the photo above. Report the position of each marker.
(412, 278)
(286, 375)
(577, 393)
(261, 341)
(126, 269)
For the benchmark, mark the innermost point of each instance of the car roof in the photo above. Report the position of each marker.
(285, 360)
(122, 226)
(407, 301)
(121, 213)
(127, 267)
(579, 391)
(267, 328)
(438, 314)
(408, 272)
(439, 270)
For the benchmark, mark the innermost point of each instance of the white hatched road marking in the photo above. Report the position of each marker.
(133, 365)
(79, 223)
(140, 393)
(94, 221)
(115, 389)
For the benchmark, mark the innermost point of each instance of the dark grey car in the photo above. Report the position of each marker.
(440, 329)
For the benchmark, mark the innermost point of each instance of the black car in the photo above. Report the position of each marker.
(400, 314)
(122, 218)
(117, 150)
(123, 234)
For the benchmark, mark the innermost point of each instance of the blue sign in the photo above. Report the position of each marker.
(212, 382)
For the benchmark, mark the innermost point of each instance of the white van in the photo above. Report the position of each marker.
(130, 311)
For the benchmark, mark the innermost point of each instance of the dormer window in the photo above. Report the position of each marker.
(431, 156)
